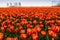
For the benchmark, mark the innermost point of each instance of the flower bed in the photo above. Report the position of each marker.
(30, 23)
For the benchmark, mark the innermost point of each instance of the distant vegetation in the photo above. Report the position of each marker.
(58, 4)
(14, 4)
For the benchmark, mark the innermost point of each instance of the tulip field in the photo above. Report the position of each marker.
(30, 23)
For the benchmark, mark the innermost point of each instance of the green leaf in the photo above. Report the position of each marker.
(47, 38)
(28, 38)
(59, 36)
(40, 37)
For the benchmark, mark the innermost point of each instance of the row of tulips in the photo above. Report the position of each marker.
(29, 24)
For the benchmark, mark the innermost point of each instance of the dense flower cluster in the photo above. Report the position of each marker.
(29, 24)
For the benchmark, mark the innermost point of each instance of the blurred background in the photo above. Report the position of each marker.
(28, 3)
